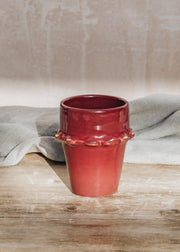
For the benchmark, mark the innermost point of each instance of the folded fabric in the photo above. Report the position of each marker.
(24, 130)
(155, 120)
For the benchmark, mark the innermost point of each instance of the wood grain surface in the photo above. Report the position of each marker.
(38, 212)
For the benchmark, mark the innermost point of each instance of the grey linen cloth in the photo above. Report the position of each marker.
(155, 120)
(24, 130)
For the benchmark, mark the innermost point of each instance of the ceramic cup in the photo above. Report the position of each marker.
(94, 130)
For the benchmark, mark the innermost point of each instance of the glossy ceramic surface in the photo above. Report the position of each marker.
(94, 130)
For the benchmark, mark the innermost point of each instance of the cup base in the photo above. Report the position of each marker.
(95, 195)
(94, 171)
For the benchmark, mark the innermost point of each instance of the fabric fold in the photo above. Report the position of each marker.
(155, 120)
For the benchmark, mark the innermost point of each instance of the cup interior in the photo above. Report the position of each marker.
(94, 102)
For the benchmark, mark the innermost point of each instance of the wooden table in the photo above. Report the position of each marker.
(39, 213)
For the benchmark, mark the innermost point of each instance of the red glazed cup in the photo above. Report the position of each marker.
(94, 130)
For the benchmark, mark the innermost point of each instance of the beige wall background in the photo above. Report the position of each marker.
(51, 49)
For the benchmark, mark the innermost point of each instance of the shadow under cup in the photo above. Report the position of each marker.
(94, 130)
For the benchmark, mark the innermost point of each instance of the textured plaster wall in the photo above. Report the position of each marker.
(50, 49)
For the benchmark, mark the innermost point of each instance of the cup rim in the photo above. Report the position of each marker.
(93, 110)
